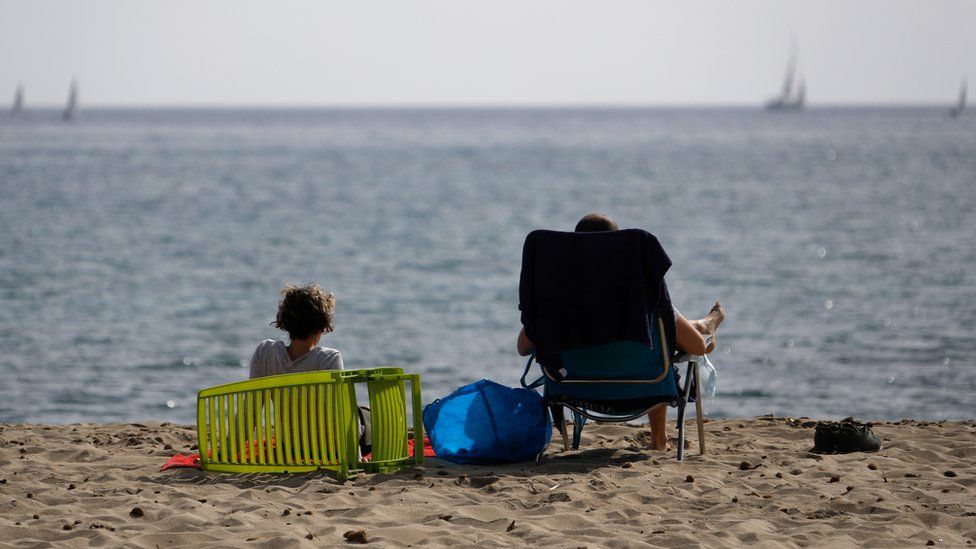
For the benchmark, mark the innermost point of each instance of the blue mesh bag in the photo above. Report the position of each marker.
(485, 423)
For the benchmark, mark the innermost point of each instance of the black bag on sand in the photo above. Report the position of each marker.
(843, 437)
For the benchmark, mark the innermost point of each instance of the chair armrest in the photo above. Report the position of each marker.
(688, 357)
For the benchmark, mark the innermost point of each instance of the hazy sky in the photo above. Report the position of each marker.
(458, 52)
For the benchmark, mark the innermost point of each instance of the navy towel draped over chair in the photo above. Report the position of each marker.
(583, 289)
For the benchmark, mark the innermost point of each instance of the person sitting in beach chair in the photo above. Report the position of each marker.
(560, 325)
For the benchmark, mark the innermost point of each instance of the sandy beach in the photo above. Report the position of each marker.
(99, 485)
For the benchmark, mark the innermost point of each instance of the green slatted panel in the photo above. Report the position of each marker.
(230, 432)
(296, 439)
(303, 422)
(203, 437)
(221, 430)
(251, 439)
(314, 409)
(268, 426)
(279, 442)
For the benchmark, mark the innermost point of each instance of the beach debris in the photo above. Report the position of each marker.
(286, 512)
(67, 527)
(71, 487)
(510, 527)
(689, 478)
(461, 479)
(137, 512)
(356, 536)
(745, 466)
(950, 474)
(481, 482)
(308, 535)
(873, 466)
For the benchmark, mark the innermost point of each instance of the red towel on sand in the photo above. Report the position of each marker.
(179, 460)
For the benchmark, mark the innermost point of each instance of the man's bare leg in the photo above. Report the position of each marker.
(659, 434)
(708, 325)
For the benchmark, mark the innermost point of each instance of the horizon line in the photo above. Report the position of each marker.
(473, 106)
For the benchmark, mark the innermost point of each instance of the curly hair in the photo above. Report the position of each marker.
(304, 311)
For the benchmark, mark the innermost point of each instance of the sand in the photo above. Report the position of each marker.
(98, 485)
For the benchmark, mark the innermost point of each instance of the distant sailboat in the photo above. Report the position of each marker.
(793, 96)
(961, 105)
(69, 108)
(18, 105)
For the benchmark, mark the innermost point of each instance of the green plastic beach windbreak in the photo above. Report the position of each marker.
(304, 422)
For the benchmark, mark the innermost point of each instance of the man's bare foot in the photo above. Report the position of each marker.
(659, 442)
(708, 325)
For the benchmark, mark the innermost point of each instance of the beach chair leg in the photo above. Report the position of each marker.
(682, 402)
(579, 421)
(698, 411)
(681, 430)
(559, 418)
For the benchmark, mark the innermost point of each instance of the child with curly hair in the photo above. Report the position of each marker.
(305, 312)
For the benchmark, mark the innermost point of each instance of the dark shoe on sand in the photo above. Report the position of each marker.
(844, 437)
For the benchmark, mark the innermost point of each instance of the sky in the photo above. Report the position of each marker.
(483, 53)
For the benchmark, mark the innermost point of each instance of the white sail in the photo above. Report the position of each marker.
(69, 108)
(961, 104)
(793, 94)
(18, 99)
(790, 75)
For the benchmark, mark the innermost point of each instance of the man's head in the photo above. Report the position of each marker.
(595, 222)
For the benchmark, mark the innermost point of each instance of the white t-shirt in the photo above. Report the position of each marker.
(271, 358)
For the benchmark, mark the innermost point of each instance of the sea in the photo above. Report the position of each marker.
(142, 251)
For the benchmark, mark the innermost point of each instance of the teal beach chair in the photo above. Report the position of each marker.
(597, 309)
(619, 382)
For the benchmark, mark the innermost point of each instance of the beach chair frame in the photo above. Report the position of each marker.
(302, 422)
(683, 396)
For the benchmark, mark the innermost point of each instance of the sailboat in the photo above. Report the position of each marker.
(69, 108)
(793, 96)
(18, 105)
(961, 105)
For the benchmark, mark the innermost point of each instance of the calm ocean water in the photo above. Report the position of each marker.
(141, 251)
